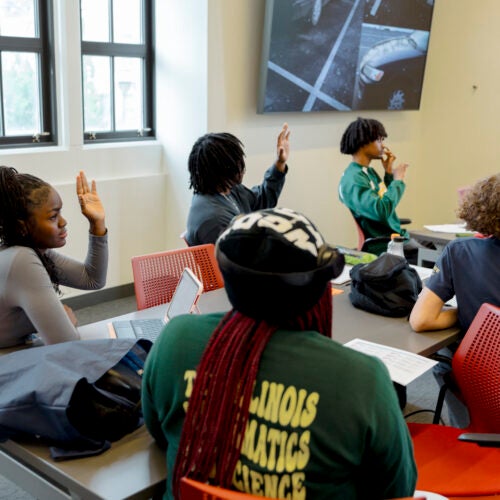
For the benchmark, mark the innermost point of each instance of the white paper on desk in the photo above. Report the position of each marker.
(448, 228)
(423, 272)
(403, 366)
(343, 277)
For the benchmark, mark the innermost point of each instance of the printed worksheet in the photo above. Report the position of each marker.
(403, 366)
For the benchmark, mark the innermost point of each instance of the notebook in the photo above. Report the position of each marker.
(184, 301)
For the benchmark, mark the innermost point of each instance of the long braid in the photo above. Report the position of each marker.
(223, 389)
(17, 196)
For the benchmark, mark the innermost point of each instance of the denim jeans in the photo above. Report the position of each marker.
(458, 415)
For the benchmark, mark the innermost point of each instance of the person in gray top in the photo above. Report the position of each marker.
(31, 271)
(216, 168)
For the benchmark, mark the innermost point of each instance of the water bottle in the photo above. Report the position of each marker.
(395, 246)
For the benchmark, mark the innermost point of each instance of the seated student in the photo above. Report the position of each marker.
(216, 167)
(31, 226)
(468, 268)
(261, 399)
(373, 202)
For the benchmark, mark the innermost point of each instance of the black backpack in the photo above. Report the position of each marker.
(386, 286)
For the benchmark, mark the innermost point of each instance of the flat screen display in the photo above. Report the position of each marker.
(342, 55)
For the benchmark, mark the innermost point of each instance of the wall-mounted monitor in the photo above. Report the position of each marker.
(342, 55)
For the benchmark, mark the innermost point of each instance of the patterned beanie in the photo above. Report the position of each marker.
(275, 263)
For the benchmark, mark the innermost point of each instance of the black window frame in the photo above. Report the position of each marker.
(43, 45)
(144, 50)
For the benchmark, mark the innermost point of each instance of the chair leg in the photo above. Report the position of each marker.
(439, 404)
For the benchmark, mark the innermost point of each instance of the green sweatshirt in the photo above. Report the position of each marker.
(363, 192)
(324, 419)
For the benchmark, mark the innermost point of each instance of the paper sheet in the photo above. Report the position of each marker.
(448, 228)
(343, 277)
(403, 366)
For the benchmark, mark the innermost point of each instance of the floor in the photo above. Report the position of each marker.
(421, 394)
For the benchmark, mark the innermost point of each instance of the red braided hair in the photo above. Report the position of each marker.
(217, 415)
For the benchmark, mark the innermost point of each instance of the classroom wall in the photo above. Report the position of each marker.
(449, 142)
(208, 61)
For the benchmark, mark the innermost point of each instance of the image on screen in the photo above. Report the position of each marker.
(342, 55)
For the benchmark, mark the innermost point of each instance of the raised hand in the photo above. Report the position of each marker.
(283, 148)
(387, 159)
(90, 204)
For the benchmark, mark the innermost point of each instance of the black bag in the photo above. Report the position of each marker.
(386, 286)
(76, 395)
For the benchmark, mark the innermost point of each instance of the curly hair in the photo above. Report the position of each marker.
(480, 208)
(359, 133)
(19, 194)
(216, 163)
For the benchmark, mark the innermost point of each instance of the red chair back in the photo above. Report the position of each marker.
(156, 275)
(476, 370)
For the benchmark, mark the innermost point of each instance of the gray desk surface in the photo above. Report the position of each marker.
(135, 467)
(440, 239)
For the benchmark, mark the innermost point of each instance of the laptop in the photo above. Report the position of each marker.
(184, 300)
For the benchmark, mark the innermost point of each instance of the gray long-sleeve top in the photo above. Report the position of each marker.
(28, 301)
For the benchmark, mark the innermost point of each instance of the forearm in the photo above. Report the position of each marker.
(445, 318)
(89, 275)
(266, 195)
(429, 314)
(97, 227)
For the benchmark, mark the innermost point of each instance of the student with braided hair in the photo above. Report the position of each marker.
(31, 227)
(216, 167)
(261, 399)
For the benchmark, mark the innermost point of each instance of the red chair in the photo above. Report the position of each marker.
(375, 245)
(446, 465)
(156, 275)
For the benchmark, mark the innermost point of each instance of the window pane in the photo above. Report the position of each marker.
(17, 18)
(127, 21)
(95, 20)
(96, 93)
(21, 101)
(128, 93)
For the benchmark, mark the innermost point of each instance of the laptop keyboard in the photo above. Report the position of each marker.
(148, 329)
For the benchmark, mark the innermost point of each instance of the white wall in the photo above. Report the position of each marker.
(451, 141)
(208, 61)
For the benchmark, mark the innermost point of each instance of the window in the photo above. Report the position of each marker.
(117, 69)
(27, 86)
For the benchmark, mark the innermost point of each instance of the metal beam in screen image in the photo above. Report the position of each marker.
(342, 55)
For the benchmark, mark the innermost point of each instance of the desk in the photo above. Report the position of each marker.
(135, 467)
(440, 240)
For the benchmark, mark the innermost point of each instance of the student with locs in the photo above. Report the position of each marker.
(31, 269)
(468, 268)
(261, 399)
(216, 168)
(372, 201)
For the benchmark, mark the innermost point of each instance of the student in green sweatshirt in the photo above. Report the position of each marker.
(372, 201)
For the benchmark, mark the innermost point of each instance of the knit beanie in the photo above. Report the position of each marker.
(275, 263)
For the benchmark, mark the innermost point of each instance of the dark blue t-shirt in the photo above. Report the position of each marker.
(470, 269)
